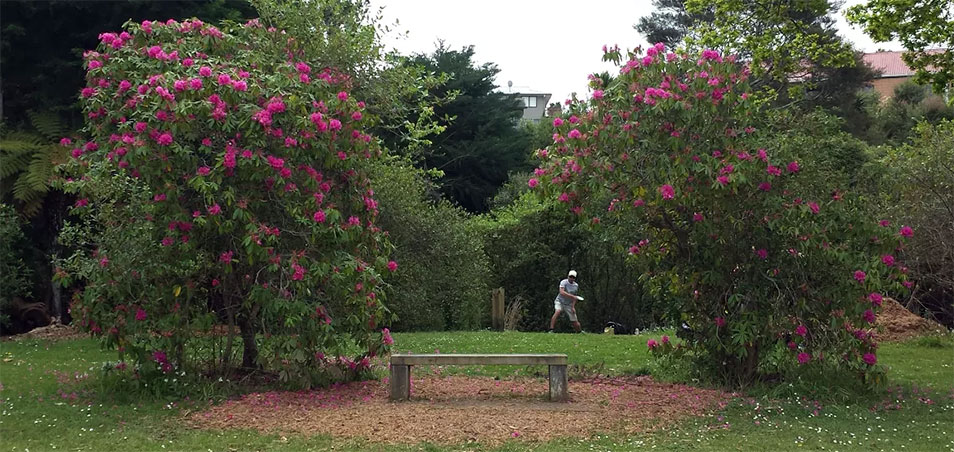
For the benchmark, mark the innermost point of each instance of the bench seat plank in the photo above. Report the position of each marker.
(489, 359)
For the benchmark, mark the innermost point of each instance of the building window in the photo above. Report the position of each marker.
(529, 102)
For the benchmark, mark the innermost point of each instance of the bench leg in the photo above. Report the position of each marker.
(400, 382)
(558, 391)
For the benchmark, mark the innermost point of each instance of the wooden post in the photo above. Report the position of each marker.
(558, 384)
(400, 382)
(497, 309)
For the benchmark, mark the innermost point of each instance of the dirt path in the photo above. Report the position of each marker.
(452, 410)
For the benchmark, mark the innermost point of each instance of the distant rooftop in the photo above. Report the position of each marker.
(522, 90)
(889, 63)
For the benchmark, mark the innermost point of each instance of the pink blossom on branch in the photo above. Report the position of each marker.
(164, 139)
(804, 358)
(860, 276)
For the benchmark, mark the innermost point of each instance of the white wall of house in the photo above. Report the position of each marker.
(534, 105)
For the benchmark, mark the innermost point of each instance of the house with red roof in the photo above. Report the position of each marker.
(893, 71)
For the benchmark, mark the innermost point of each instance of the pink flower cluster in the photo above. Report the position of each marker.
(116, 41)
(160, 358)
(299, 272)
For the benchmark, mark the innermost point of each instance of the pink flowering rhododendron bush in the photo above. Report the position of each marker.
(224, 182)
(767, 270)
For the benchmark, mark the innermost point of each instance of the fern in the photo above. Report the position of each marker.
(19, 141)
(27, 195)
(48, 124)
(11, 164)
(28, 159)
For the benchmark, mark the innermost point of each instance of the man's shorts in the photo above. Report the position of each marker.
(567, 308)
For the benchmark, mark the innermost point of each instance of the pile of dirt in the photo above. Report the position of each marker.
(454, 410)
(896, 323)
(55, 331)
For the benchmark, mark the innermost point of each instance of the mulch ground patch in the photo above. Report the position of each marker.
(458, 409)
(898, 324)
(55, 332)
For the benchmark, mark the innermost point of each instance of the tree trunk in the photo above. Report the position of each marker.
(250, 352)
(227, 355)
(750, 365)
(57, 302)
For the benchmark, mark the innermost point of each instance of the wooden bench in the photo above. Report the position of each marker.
(401, 369)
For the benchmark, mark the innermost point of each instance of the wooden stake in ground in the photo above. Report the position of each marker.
(497, 308)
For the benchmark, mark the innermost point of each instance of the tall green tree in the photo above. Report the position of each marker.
(482, 142)
(669, 23)
(925, 29)
(783, 39)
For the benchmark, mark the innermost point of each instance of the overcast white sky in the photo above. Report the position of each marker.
(548, 46)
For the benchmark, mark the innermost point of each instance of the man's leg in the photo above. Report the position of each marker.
(572, 314)
(553, 319)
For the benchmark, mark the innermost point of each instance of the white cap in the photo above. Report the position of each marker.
(572, 273)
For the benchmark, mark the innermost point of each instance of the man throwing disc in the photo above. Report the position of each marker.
(566, 301)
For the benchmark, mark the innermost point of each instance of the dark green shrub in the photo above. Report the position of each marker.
(444, 275)
(14, 274)
(916, 183)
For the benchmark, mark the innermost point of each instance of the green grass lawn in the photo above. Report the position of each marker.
(53, 400)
